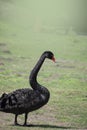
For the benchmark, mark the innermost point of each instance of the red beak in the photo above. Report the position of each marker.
(53, 58)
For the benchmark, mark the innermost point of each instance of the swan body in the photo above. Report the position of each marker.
(27, 100)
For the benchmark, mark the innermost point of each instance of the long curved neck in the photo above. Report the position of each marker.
(33, 76)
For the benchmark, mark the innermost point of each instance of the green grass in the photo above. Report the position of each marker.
(22, 41)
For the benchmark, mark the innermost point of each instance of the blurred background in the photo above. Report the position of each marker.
(40, 22)
(37, 15)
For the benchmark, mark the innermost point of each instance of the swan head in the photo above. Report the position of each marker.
(49, 55)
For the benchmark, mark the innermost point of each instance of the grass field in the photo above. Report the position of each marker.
(21, 44)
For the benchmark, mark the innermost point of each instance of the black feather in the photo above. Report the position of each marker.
(27, 100)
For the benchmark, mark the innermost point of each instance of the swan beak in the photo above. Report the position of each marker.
(53, 59)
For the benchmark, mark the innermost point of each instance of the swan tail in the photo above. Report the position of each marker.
(7, 101)
(3, 101)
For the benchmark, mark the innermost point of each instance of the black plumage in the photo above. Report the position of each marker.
(26, 100)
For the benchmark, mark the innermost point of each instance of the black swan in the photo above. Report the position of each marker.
(26, 100)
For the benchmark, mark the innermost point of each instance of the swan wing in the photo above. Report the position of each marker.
(20, 101)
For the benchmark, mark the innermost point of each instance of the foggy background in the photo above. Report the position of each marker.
(60, 16)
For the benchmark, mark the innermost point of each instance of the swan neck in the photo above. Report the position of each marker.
(33, 76)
